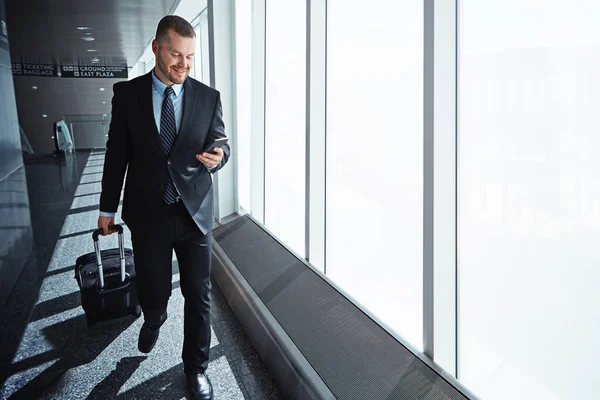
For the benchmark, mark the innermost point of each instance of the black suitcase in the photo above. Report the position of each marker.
(107, 281)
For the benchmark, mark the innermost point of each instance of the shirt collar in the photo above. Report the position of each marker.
(160, 87)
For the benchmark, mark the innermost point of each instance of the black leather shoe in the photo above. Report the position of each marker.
(149, 334)
(198, 387)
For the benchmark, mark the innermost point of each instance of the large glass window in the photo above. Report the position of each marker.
(529, 199)
(150, 64)
(200, 69)
(285, 121)
(202, 49)
(196, 70)
(243, 37)
(374, 154)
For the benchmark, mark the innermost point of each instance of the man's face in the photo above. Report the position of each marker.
(174, 56)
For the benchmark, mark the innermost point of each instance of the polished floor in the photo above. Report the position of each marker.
(48, 352)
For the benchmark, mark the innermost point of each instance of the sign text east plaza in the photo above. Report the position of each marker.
(93, 71)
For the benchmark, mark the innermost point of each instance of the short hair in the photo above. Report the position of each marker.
(178, 24)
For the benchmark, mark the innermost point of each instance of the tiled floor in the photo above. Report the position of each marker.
(48, 352)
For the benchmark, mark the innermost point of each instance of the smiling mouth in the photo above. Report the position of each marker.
(179, 71)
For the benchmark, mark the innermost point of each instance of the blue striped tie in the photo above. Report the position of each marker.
(168, 131)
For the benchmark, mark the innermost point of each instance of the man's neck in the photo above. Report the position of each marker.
(158, 73)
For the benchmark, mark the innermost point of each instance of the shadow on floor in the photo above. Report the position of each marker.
(68, 351)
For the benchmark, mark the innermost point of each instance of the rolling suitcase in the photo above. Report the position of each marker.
(107, 281)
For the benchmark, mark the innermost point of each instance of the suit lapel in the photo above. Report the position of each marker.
(189, 102)
(145, 95)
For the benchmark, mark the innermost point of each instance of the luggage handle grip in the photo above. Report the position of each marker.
(98, 232)
(95, 235)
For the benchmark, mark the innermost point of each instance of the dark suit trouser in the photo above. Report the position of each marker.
(153, 246)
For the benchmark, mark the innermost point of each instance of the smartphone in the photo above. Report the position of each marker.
(217, 143)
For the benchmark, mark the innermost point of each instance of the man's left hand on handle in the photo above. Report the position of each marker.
(211, 160)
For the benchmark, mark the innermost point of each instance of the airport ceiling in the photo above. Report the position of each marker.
(46, 32)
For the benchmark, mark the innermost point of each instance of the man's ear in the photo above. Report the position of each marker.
(155, 47)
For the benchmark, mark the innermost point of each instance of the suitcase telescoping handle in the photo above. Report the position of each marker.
(95, 236)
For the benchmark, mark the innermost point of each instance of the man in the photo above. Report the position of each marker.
(161, 122)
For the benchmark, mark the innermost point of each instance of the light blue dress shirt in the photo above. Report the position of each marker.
(158, 90)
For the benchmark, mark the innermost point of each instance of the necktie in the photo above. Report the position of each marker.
(168, 131)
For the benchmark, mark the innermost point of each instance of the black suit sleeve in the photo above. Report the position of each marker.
(217, 130)
(115, 160)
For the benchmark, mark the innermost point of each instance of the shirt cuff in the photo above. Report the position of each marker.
(107, 214)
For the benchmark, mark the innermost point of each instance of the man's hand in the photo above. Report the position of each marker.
(104, 223)
(211, 160)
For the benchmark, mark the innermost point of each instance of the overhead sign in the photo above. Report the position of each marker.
(92, 71)
(69, 71)
(29, 69)
(3, 28)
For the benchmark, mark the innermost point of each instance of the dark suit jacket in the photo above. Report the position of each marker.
(133, 146)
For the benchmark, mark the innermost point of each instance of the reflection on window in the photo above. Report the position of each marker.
(202, 51)
(243, 31)
(196, 70)
(529, 199)
(375, 158)
(150, 64)
(201, 56)
(285, 122)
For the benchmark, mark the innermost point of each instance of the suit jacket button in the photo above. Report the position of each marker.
(169, 162)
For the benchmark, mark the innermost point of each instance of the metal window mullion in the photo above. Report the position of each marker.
(428, 178)
(222, 58)
(307, 152)
(440, 190)
(234, 110)
(457, 17)
(315, 132)
(211, 61)
(257, 141)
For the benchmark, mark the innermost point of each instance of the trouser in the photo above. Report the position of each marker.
(153, 245)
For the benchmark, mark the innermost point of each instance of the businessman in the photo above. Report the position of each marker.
(161, 123)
